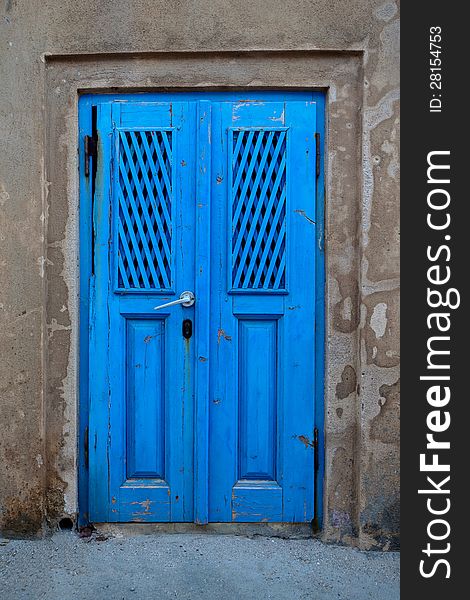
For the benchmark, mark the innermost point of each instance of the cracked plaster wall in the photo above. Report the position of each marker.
(38, 289)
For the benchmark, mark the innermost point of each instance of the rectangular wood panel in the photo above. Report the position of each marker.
(257, 341)
(145, 398)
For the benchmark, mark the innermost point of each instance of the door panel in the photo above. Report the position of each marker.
(215, 195)
(141, 419)
(263, 302)
(257, 344)
(145, 375)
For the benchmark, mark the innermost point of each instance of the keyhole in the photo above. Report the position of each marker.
(187, 328)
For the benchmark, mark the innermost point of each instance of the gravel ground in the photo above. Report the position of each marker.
(192, 566)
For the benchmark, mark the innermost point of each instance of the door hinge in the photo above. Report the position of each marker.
(317, 155)
(315, 445)
(85, 447)
(91, 149)
(316, 467)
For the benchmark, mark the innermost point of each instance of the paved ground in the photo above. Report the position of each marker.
(192, 567)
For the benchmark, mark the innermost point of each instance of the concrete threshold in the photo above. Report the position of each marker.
(278, 530)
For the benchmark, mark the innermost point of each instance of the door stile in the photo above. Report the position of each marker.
(202, 313)
(85, 124)
(99, 388)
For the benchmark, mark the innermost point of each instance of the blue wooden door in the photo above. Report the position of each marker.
(203, 412)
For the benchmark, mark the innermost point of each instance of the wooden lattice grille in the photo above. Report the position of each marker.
(258, 209)
(144, 210)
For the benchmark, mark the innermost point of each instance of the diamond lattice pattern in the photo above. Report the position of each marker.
(259, 209)
(144, 216)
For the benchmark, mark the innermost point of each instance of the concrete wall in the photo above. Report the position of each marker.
(349, 47)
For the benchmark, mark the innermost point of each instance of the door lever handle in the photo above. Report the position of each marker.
(186, 299)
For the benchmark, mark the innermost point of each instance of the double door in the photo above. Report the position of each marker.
(202, 309)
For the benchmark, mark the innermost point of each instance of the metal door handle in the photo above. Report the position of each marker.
(186, 299)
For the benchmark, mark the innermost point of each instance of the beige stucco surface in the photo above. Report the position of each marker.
(349, 48)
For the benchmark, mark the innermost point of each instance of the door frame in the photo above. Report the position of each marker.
(86, 117)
